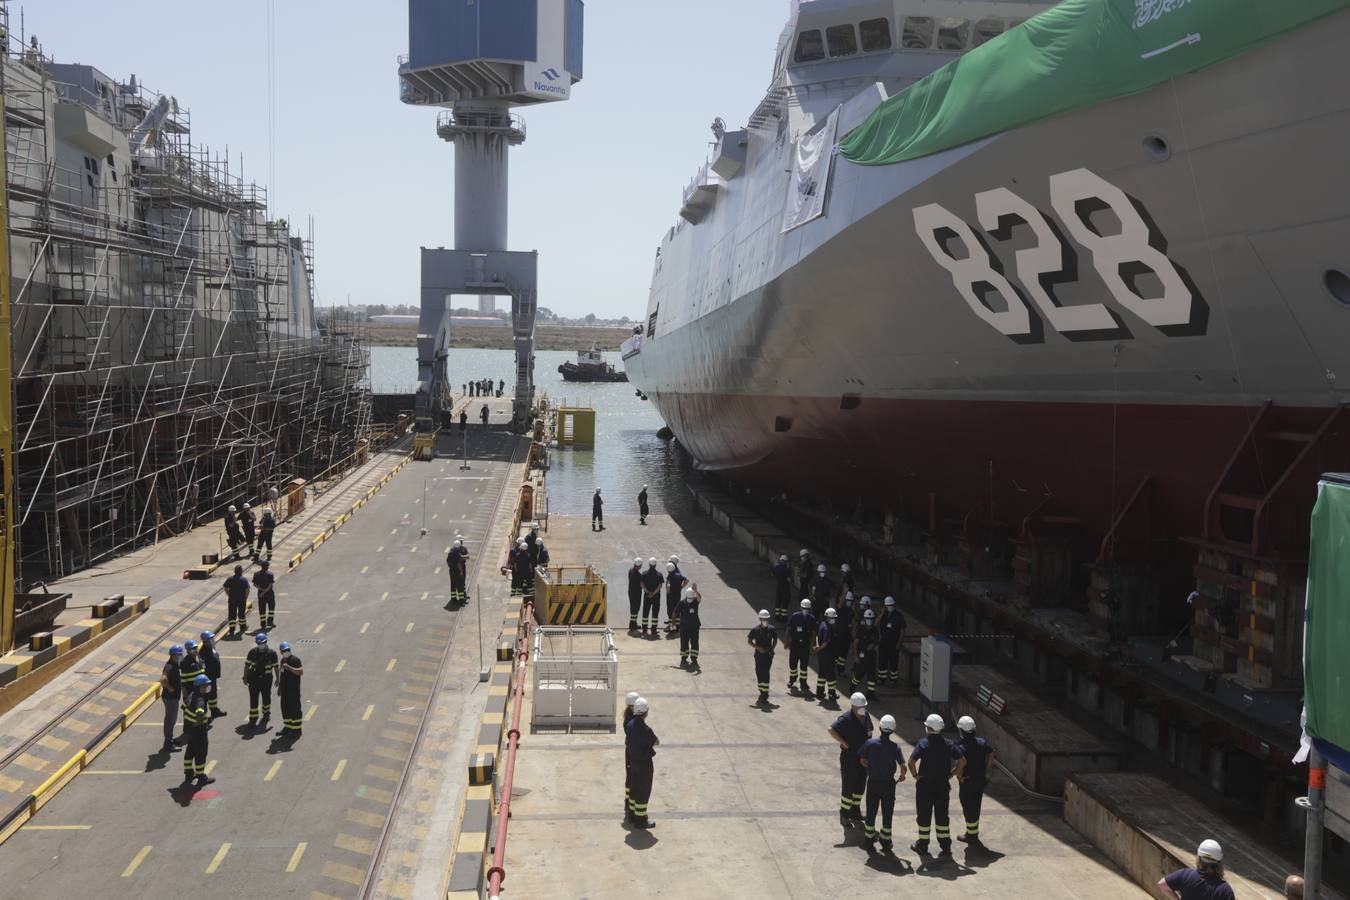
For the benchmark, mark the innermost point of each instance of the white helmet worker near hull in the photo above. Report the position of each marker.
(1205, 880)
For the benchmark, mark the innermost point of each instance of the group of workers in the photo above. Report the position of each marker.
(482, 388)
(527, 555)
(242, 526)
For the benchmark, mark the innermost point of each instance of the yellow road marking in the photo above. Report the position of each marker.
(344, 595)
(342, 872)
(393, 531)
(410, 624)
(52, 742)
(272, 772)
(318, 628)
(114, 771)
(309, 715)
(384, 596)
(210, 766)
(354, 844)
(57, 827)
(437, 571)
(337, 772)
(379, 549)
(393, 662)
(365, 716)
(435, 516)
(342, 664)
(136, 862)
(425, 594)
(413, 550)
(365, 569)
(220, 856)
(365, 626)
(368, 819)
(10, 785)
(295, 857)
(400, 570)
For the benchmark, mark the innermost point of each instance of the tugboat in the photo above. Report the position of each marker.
(590, 366)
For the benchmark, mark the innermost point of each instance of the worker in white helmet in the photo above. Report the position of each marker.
(634, 594)
(522, 576)
(822, 591)
(686, 613)
(824, 647)
(865, 669)
(643, 509)
(890, 630)
(932, 763)
(1204, 882)
(979, 756)
(675, 582)
(457, 563)
(652, 582)
(249, 522)
(640, 744)
(806, 570)
(843, 633)
(266, 525)
(801, 634)
(884, 761)
(850, 731)
(782, 578)
(597, 511)
(628, 701)
(764, 639)
(845, 579)
(232, 528)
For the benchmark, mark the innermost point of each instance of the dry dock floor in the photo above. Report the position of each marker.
(746, 800)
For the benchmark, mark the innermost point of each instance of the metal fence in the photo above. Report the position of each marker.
(576, 677)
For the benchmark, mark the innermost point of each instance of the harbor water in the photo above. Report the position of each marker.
(627, 453)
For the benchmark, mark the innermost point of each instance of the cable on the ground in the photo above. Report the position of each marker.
(1026, 790)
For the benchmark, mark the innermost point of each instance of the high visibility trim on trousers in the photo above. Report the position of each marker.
(925, 831)
(869, 831)
(846, 802)
(632, 620)
(944, 831)
(824, 684)
(973, 827)
(763, 687)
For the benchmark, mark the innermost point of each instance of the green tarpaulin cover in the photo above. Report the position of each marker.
(1076, 54)
(1326, 651)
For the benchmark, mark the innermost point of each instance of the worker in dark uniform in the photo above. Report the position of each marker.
(266, 525)
(643, 509)
(865, 671)
(523, 571)
(236, 597)
(483, 415)
(675, 582)
(824, 647)
(170, 693)
(260, 667)
(501, 386)
(805, 569)
(782, 577)
(1205, 880)
(884, 761)
(628, 702)
(188, 669)
(196, 723)
(891, 629)
(843, 633)
(533, 544)
(597, 511)
(932, 763)
(288, 689)
(210, 658)
(764, 638)
(973, 778)
(232, 528)
(652, 581)
(640, 744)
(248, 520)
(541, 555)
(686, 613)
(801, 634)
(634, 594)
(265, 582)
(845, 580)
(822, 592)
(457, 564)
(510, 568)
(850, 731)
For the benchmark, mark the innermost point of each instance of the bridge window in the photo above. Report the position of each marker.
(986, 30)
(876, 35)
(918, 34)
(842, 40)
(953, 34)
(809, 47)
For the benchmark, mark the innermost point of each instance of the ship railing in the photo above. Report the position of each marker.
(487, 120)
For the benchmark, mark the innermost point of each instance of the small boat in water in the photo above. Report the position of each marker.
(590, 366)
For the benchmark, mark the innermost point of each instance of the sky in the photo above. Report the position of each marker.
(592, 189)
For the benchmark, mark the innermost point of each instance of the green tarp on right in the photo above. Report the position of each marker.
(1326, 641)
(1076, 54)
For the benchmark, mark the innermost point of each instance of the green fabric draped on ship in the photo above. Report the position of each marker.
(1076, 54)
(1326, 671)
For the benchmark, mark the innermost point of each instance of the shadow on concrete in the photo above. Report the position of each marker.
(888, 862)
(282, 743)
(182, 794)
(640, 839)
(943, 867)
(249, 732)
(157, 760)
(978, 856)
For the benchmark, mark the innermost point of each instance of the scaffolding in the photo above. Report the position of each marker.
(167, 356)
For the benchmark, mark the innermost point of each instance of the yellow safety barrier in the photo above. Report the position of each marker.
(570, 595)
(58, 780)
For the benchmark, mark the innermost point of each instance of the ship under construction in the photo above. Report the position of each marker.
(163, 356)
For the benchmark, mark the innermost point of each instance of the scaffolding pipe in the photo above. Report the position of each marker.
(497, 873)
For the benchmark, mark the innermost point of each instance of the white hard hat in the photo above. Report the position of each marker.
(805, 604)
(831, 614)
(458, 542)
(670, 567)
(865, 601)
(889, 601)
(888, 723)
(245, 506)
(802, 552)
(782, 557)
(644, 487)
(673, 558)
(844, 568)
(231, 508)
(858, 699)
(868, 615)
(630, 698)
(597, 490)
(689, 592)
(637, 560)
(641, 706)
(522, 545)
(821, 568)
(934, 723)
(651, 561)
(848, 595)
(1210, 850)
(763, 614)
(267, 510)
(965, 723)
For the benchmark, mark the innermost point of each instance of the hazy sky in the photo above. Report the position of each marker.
(592, 189)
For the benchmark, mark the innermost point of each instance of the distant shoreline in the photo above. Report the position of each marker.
(546, 337)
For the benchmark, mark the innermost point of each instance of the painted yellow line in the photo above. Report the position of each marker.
(410, 625)
(310, 714)
(379, 549)
(136, 862)
(400, 570)
(437, 571)
(318, 628)
(342, 664)
(57, 827)
(393, 531)
(424, 594)
(337, 772)
(295, 857)
(220, 855)
(384, 596)
(210, 766)
(117, 771)
(435, 516)
(413, 550)
(393, 662)
(365, 569)
(365, 626)
(365, 716)
(345, 593)
(272, 772)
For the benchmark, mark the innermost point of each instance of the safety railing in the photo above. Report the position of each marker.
(576, 677)
(497, 871)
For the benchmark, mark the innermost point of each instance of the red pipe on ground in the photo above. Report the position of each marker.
(497, 873)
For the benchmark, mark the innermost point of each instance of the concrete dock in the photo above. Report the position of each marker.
(746, 799)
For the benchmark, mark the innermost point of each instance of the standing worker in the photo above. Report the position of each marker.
(483, 415)
(686, 613)
(884, 761)
(865, 671)
(801, 633)
(464, 420)
(635, 595)
(232, 528)
(845, 579)
(259, 667)
(764, 638)
(782, 576)
(266, 526)
(675, 582)
(210, 658)
(288, 689)
(850, 731)
(189, 668)
(524, 574)
(501, 386)
(640, 744)
(236, 596)
(824, 647)
(196, 723)
(805, 568)
(643, 509)
(597, 511)
(457, 564)
(170, 690)
(628, 702)
(249, 521)
(1204, 882)
(651, 598)
(932, 763)
(265, 582)
(891, 631)
(974, 776)
(822, 591)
